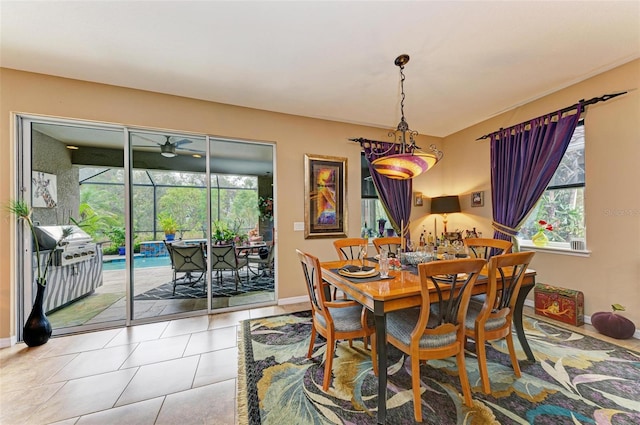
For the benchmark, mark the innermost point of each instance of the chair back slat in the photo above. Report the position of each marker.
(453, 281)
(506, 273)
(486, 247)
(313, 280)
(349, 248)
(391, 243)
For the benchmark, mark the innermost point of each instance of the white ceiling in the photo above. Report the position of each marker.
(470, 60)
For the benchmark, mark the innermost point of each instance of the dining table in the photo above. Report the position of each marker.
(400, 290)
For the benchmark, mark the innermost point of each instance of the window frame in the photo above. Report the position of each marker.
(563, 247)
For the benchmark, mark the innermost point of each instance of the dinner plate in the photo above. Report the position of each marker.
(359, 273)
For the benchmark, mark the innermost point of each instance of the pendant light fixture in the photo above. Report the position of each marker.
(410, 161)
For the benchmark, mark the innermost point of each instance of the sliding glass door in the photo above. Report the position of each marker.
(73, 177)
(169, 206)
(248, 278)
(151, 206)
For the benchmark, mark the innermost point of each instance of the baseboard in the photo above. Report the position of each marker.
(587, 319)
(8, 342)
(293, 300)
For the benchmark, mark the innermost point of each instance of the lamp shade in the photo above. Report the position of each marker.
(445, 204)
(404, 166)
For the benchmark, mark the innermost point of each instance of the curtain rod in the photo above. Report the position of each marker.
(584, 103)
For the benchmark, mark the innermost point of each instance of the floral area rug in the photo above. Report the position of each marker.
(576, 380)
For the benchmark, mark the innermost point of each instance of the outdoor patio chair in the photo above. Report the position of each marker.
(224, 257)
(264, 265)
(189, 260)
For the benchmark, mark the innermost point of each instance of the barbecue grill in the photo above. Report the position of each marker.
(76, 248)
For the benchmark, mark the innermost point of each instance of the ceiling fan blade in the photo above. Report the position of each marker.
(182, 142)
(191, 150)
(147, 139)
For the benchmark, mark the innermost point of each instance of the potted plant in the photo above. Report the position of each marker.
(265, 207)
(117, 236)
(37, 329)
(169, 225)
(222, 233)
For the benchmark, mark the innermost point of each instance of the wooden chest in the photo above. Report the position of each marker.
(565, 305)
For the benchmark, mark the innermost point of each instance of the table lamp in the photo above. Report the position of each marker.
(444, 205)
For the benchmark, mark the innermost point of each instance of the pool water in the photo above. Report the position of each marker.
(119, 263)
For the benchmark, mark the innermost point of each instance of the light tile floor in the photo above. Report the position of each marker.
(175, 372)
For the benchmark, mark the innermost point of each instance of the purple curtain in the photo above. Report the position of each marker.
(523, 161)
(395, 195)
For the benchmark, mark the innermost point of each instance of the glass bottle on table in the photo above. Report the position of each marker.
(383, 262)
(363, 252)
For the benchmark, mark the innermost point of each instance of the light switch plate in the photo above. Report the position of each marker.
(298, 226)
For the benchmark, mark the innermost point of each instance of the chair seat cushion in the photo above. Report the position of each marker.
(346, 319)
(480, 298)
(492, 323)
(401, 323)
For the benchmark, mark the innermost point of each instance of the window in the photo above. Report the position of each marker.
(562, 204)
(371, 207)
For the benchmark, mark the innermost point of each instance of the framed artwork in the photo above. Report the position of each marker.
(417, 199)
(325, 183)
(477, 199)
(44, 190)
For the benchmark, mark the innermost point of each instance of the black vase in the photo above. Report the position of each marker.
(37, 329)
(381, 223)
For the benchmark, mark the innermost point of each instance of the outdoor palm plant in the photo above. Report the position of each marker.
(37, 329)
(22, 211)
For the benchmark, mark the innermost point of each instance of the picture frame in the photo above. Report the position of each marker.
(325, 192)
(417, 199)
(44, 190)
(477, 199)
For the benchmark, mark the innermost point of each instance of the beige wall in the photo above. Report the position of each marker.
(294, 136)
(610, 275)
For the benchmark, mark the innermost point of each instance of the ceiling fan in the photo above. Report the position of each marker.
(168, 148)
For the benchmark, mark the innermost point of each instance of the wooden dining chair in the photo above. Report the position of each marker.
(487, 247)
(349, 248)
(492, 319)
(435, 330)
(391, 243)
(334, 320)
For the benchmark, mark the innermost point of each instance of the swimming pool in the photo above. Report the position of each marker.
(119, 263)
